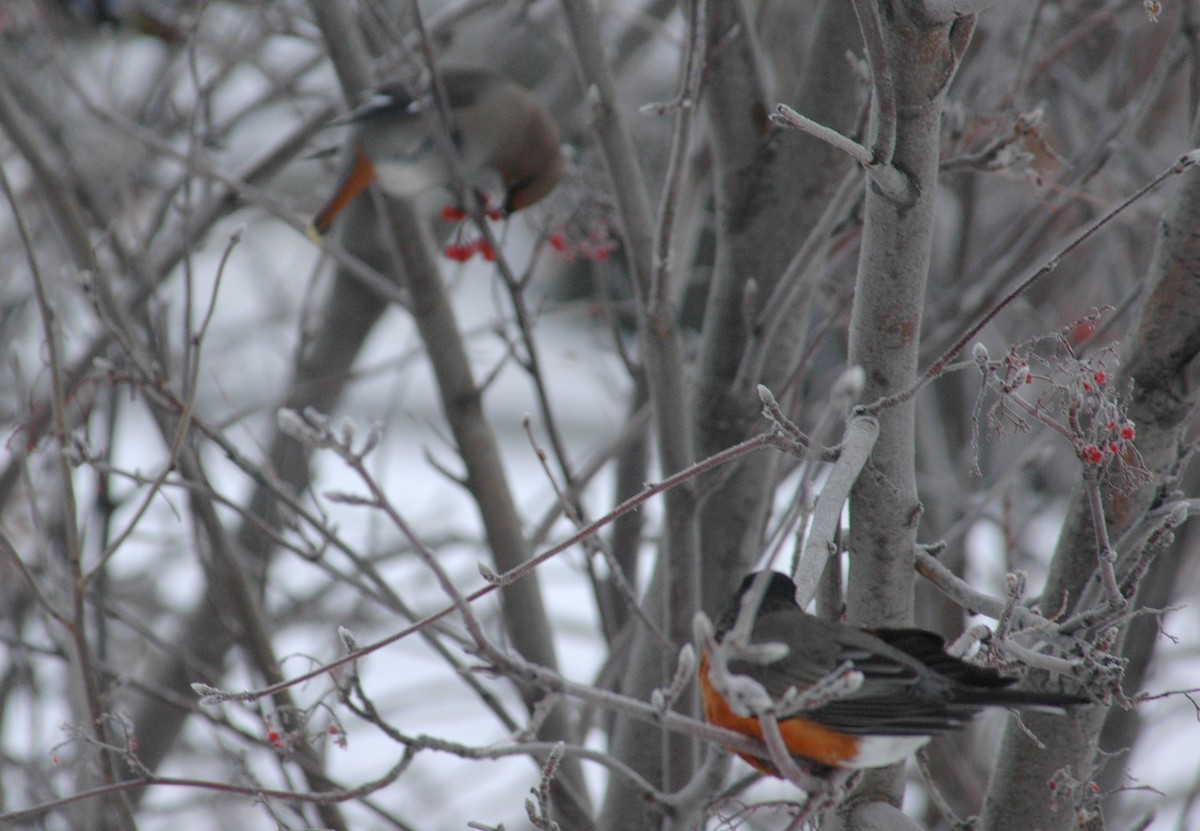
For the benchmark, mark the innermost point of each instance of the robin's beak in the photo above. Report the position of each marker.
(495, 125)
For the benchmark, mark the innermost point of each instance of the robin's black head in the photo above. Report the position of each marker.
(779, 595)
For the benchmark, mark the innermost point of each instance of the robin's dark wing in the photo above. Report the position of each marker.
(900, 694)
(930, 650)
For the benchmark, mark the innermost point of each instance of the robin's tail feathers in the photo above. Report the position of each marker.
(1054, 702)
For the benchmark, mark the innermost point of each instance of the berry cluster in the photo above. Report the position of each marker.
(1111, 436)
(1072, 395)
(597, 245)
(461, 250)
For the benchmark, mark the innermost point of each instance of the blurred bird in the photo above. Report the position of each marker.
(495, 125)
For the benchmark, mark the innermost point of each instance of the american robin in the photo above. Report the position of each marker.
(494, 124)
(911, 689)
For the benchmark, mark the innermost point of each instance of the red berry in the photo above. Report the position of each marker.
(1127, 431)
(453, 213)
(1084, 330)
(1093, 454)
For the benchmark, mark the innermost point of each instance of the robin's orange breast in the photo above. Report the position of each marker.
(803, 738)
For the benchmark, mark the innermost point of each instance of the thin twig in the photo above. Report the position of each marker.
(254, 791)
(891, 181)
(797, 279)
(1106, 557)
(884, 145)
(787, 117)
(694, 60)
